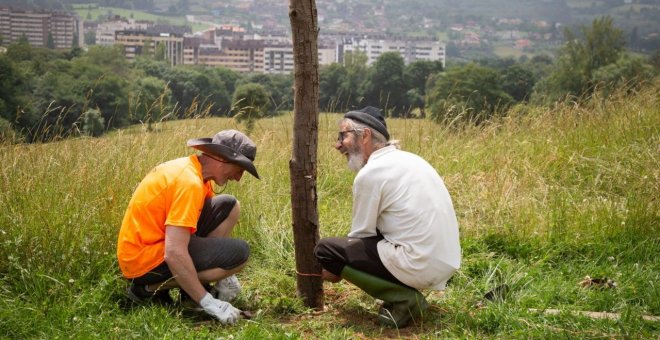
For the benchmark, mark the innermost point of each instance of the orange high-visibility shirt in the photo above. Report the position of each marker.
(172, 193)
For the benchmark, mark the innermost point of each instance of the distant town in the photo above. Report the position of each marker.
(253, 35)
(229, 46)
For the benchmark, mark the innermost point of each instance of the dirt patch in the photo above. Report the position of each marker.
(349, 307)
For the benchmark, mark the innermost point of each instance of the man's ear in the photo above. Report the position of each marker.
(366, 132)
(367, 142)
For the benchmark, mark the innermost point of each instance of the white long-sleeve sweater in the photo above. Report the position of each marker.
(402, 195)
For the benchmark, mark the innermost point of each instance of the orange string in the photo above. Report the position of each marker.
(304, 274)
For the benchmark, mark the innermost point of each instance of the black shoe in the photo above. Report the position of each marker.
(139, 294)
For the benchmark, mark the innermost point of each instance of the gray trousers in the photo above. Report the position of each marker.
(334, 253)
(207, 252)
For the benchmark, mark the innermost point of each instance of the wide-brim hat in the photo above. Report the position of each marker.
(232, 146)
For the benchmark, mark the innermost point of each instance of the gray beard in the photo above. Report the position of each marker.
(355, 161)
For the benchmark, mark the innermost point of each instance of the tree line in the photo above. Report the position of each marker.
(46, 94)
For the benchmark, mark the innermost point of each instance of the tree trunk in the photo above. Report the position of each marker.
(302, 165)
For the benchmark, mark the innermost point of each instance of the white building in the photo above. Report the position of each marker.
(410, 50)
(327, 55)
(105, 32)
(146, 42)
(278, 59)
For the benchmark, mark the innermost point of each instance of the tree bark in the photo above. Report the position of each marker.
(302, 166)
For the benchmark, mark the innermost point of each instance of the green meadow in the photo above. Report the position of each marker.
(544, 196)
(92, 12)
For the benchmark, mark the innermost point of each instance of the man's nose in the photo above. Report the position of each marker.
(238, 176)
(338, 145)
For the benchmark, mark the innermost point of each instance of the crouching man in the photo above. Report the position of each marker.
(404, 234)
(176, 232)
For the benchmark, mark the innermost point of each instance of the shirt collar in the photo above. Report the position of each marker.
(383, 151)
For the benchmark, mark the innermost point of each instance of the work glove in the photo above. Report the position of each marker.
(227, 289)
(221, 310)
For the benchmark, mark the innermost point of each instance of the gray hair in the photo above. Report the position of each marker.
(377, 139)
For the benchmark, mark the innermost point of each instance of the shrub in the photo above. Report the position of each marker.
(7, 133)
(250, 103)
(93, 123)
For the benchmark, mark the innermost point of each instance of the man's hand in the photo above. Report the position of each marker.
(227, 289)
(221, 310)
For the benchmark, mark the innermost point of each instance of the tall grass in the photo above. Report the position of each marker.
(544, 198)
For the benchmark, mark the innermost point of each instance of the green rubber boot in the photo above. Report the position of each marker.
(401, 303)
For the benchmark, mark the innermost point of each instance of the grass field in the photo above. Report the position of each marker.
(583, 3)
(543, 200)
(507, 51)
(92, 13)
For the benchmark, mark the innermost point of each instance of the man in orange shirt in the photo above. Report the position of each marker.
(176, 233)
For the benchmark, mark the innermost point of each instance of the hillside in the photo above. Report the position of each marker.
(495, 28)
(544, 197)
(401, 15)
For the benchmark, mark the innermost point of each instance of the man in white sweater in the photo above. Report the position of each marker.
(404, 233)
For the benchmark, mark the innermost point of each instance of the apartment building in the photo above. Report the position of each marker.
(191, 46)
(278, 59)
(327, 54)
(242, 56)
(229, 32)
(272, 53)
(105, 31)
(149, 41)
(5, 24)
(410, 50)
(41, 28)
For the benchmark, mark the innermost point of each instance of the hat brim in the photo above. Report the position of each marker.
(206, 146)
(370, 121)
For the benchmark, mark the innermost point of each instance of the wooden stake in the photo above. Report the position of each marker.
(302, 166)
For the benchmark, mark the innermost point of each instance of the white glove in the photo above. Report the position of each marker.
(227, 289)
(223, 311)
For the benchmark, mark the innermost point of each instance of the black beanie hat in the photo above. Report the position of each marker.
(371, 117)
